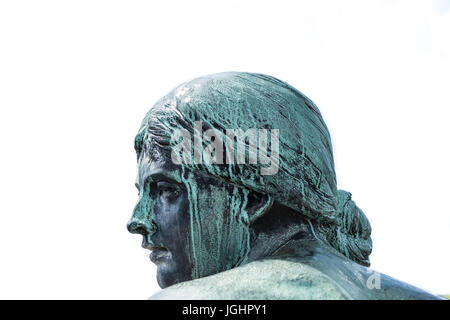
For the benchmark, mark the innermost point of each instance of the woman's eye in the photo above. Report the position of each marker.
(166, 190)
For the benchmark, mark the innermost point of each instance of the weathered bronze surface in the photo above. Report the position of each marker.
(223, 229)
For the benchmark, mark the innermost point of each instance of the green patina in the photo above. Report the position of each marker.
(227, 240)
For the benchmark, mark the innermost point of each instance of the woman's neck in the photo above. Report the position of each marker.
(277, 228)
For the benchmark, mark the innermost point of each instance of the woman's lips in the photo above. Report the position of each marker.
(159, 255)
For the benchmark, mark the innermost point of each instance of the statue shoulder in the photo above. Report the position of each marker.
(324, 277)
(393, 289)
(268, 279)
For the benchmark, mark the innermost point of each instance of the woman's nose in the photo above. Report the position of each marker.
(141, 222)
(139, 227)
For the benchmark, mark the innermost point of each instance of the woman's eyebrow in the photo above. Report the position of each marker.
(162, 175)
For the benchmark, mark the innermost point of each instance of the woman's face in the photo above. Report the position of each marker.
(194, 224)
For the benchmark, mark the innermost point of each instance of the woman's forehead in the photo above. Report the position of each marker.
(157, 163)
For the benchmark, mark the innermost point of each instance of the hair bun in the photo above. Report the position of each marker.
(352, 231)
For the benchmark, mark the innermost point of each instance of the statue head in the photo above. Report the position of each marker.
(226, 159)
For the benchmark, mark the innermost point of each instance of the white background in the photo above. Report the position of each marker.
(77, 77)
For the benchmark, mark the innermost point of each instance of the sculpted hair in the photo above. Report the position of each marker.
(305, 180)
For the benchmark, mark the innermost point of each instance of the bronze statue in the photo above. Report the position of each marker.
(238, 198)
